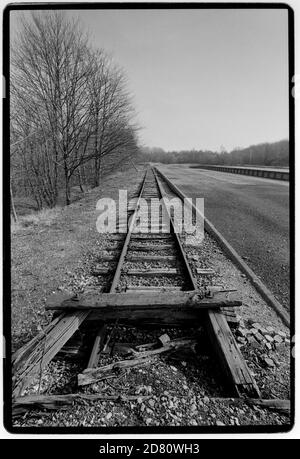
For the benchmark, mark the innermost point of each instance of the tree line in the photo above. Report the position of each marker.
(264, 154)
(70, 110)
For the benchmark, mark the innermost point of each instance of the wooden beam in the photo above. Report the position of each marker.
(152, 272)
(97, 347)
(34, 356)
(22, 354)
(119, 302)
(90, 376)
(55, 402)
(235, 368)
(141, 257)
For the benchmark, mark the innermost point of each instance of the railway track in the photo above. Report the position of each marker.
(145, 280)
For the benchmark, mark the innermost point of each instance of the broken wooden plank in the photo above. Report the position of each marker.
(150, 236)
(142, 257)
(90, 376)
(170, 345)
(281, 405)
(235, 368)
(55, 402)
(146, 346)
(143, 350)
(146, 289)
(43, 351)
(22, 354)
(97, 346)
(122, 348)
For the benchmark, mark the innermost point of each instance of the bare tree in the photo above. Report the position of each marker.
(49, 80)
(75, 101)
(112, 110)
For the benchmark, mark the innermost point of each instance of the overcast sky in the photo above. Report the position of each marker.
(200, 78)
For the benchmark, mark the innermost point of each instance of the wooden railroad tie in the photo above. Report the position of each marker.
(145, 305)
(150, 236)
(145, 289)
(56, 402)
(147, 248)
(110, 306)
(142, 257)
(103, 270)
(151, 272)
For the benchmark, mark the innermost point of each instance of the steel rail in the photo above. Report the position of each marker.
(191, 278)
(234, 366)
(131, 222)
(99, 340)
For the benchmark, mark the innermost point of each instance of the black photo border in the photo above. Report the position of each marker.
(8, 421)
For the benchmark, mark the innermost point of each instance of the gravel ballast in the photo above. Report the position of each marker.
(181, 388)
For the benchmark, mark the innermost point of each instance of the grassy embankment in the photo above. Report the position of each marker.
(52, 249)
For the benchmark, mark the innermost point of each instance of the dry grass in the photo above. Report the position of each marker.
(49, 252)
(44, 217)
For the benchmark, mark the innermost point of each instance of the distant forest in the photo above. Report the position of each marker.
(265, 154)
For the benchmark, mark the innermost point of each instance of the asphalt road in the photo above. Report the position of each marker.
(252, 214)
